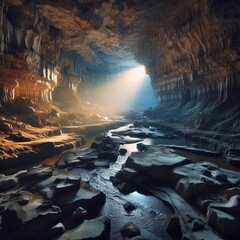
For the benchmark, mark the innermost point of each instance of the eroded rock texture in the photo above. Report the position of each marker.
(190, 48)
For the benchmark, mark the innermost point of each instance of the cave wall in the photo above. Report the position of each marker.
(27, 69)
(190, 47)
(193, 51)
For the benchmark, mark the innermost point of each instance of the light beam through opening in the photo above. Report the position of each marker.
(120, 93)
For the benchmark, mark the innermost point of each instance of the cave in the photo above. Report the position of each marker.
(119, 119)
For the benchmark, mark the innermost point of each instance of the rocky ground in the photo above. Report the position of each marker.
(54, 202)
(24, 142)
(204, 196)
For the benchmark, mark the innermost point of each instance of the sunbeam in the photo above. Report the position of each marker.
(117, 94)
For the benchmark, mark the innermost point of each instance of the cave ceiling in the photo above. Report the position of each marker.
(103, 33)
(189, 47)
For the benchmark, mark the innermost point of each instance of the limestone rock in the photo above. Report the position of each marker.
(173, 227)
(190, 188)
(130, 230)
(230, 207)
(127, 175)
(38, 173)
(226, 224)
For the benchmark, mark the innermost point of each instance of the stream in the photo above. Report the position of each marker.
(150, 213)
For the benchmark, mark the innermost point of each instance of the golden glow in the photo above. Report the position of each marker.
(117, 94)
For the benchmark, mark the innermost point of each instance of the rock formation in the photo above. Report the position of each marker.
(189, 48)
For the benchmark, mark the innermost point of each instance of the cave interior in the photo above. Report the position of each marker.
(165, 74)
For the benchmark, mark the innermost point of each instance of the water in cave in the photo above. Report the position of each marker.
(79, 156)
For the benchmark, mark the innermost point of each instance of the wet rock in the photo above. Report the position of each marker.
(95, 229)
(111, 156)
(55, 231)
(232, 192)
(141, 147)
(199, 151)
(127, 175)
(128, 206)
(38, 173)
(226, 224)
(122, 151)
(86, 197)
(66, 187)
(190, 188)
(203, 204)
(14, 216)
(231, 207)
(187, 214)
(173, 227)
(158, 162)
(7, 183)
(114, 181)
(130, 230)
(197, 226)
(125, 187)
(79, 214)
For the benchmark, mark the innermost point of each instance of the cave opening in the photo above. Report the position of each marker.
(129, 90)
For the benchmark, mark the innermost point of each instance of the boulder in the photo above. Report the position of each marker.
(128, 206)
(130, 230)
(127, 175)
(55, 231)
(14, 216)
(141, 147)
(125, 187)
(37, 173)
(122, 151)
(66, 185)
(95, 229)
(86, 197)
(79, 214)
(111, 156)
(226, 224)
(190, 188)
(157, 162)
(173, 227)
